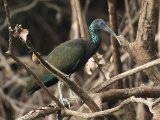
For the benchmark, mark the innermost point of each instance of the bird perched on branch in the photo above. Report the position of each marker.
(70, 56)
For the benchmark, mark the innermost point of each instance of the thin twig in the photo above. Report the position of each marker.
(79, 15)
(74, 30)
(109, 111)
(126, 27)
(81, 21)
(115, 49)
(19, 10)
(125, 74)
(87, 3)
(156, 102)
(39, 112)
(131, 30)
(9, 25)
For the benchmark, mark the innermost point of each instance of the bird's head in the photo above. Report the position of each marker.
(98, 25)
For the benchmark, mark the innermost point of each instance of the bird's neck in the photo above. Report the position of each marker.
(95, 37)
(93, 44)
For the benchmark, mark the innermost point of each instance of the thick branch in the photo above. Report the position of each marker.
(143, 49)
(142, 91)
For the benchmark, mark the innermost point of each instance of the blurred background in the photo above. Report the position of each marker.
(51, 22)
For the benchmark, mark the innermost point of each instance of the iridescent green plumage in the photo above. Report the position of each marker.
(69, 56)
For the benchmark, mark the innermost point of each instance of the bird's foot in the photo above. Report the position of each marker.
(73, 96)
(67, 76)
(65, 102)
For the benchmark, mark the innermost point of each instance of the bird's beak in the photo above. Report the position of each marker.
(110, 31)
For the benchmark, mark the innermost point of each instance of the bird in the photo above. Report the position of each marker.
(70, 56)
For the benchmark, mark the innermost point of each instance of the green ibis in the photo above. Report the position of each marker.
(70, 56)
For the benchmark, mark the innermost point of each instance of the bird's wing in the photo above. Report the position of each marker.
(67, 57)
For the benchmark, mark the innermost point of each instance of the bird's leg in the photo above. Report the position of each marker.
(72, 94)
(67, 76)
(59, 88)
(61, 96)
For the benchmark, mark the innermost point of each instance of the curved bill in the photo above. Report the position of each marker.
(110, 31)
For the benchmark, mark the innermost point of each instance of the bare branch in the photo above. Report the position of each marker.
(103, 85)
(109, 111)
(114, 42)
(9, 25)
(142, 91)
(40, 112)
(81, 21)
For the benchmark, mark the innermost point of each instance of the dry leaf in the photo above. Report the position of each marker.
(20, 32)
(101, 59)
(23, 34)
(34, 57)
(91, 65)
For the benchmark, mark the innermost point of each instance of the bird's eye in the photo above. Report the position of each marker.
(102, 23)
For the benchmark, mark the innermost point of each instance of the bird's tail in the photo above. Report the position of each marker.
(32, 87)
(47, 80)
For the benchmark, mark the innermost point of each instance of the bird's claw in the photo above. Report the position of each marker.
(67, 76)
(74, 96)
(65, 102)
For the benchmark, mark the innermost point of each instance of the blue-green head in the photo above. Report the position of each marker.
(98, 25)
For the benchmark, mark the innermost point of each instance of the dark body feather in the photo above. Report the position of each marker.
(68, 57)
